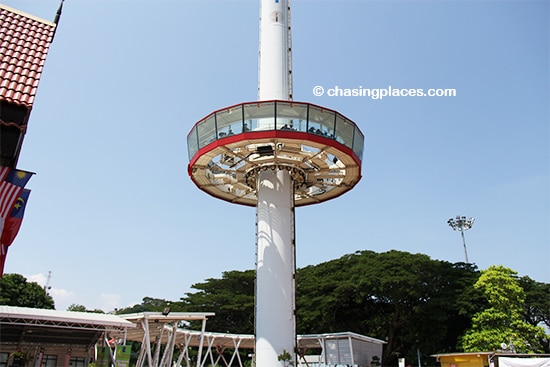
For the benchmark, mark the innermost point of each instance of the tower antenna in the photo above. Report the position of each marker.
(47, 287)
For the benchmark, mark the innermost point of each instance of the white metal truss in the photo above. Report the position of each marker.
(225, 350)
(161, 329)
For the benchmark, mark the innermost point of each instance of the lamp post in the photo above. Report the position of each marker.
(461, 223)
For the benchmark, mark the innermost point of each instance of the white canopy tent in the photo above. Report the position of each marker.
(523, 362)
(60, 334)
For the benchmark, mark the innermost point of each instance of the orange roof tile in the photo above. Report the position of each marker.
(24, 44)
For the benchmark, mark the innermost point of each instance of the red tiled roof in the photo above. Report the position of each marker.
(24, 44)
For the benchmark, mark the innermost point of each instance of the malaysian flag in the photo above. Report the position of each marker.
(11, 186)
(13, 222)
(3, 254)
(3, 172)
(10, 189)
(12, 182)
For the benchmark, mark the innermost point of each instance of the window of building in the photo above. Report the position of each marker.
(49, 360)
(77, 362)
(4, 359)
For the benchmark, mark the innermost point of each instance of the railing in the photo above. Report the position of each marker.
(275, 115)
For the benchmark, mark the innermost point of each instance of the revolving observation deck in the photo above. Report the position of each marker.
(321, 148)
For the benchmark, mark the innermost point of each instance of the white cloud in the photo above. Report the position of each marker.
(109, 301)
(64, 298)
(37, 278)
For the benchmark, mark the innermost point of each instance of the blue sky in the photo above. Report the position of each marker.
(115, 218)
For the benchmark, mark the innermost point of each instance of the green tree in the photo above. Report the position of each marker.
(394, 296)
(502, 320)
(149, 305)
(537, 301)
(16, 291)
(231, 298)
(80, 308)
(409, 300)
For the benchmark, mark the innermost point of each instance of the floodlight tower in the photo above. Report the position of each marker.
(275, 154)
(461, 223)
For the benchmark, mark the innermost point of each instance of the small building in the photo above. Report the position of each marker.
(51, 338)
(478, 359)
(492, 359)
(341, 349)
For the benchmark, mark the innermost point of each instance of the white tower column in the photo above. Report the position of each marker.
(274, 70)
(275, 288)
(275, 262)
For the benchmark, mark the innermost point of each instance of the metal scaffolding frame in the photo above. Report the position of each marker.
(165, 339)
(162, 329)
(160, 337)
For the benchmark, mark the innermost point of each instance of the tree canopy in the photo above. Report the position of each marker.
(393, 296)
(231, 298)
(536, 310)
(16, 291)
(502, 321)
(81, 308)
(410, 301)
(148, 305)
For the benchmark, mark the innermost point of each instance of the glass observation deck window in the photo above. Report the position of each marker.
(259, 116)
(275, 115)
(345, 130)
(206, 130)
(321, 121)
(229, 122)
(292, 116)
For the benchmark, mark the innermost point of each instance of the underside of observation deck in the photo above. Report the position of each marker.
(321, 171)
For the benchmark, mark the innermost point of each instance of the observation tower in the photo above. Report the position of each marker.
(275, 154)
